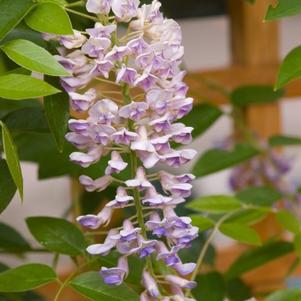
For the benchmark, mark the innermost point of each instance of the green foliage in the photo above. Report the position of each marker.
(241, 233)
(237, 290)
(57, 112)
(293, 294)
(12, 158)
(27, 120)
(215, 204)
(26, 277)
(290, 68)
(11, 13)
(202, 222)
(8, 106)
(201, 118)
(259, 196)
(90, 285)
(297, 244)
(284, 8)
(50, 18)
(7, 186)
(248, 216)
(11, 240)
(289, 221)
(19, 86)
(217, 159)
(250, 95)
(255, 258)
(281, 140)
(57, 235)
(33, 57)
(211, 287)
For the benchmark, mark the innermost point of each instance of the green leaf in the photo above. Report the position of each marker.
(57, 112)
(51, 18)
(255, 258)
(33, 57)
(280, 140)
(290, 68)
(27, 120)
(18, 86)
(259, 196)
(22, 31)
(217, 159)
(202, 222)
(292, 294)
(11, 240)
(91, 285)
(7, 186)
(297, 244)
(215, 204)
(11, 13)
(12, 158)
(8, 106)
(211, 287)
(247, 216)
(59, 2)
(289, 221)
(57, 235)
(26, 277)
(284, 8)
(250, 95)
(201, 118)
(241, 233)
(237, 290)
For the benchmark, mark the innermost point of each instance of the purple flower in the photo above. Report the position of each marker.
(116, 164)
(73, 41)
(101, 31)
(82, 102)
(125, 10)
(128, 240)
(117, 53)
(127, 75)
(145, 81)
(181, 282)
(106, 247)
(96, 47)
(99, 184)
(124, 136)
(86, 159)
(102, 67)
(137, 46)
(122, 199)
(99, 6)
(95, 221)
(115, 276)
(103, 111)
(134, 110)
(140, 181)
(150, 284)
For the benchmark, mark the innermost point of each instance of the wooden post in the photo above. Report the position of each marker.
(255, 44)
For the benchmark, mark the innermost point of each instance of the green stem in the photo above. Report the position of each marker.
(77, 3)
(75, 12)
(209, 240)
(136, 193)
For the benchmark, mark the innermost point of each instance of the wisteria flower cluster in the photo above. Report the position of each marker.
(142, 65)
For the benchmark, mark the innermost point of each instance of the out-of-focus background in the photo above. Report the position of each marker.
(206, 33)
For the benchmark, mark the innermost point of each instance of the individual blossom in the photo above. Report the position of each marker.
(116, 164)
(115, 276)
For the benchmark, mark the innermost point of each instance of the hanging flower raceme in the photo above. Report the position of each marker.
(142, 70)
